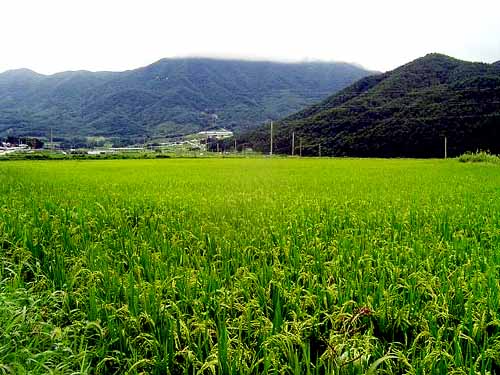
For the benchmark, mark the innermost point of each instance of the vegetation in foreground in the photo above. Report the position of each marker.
(479, 157)
(249, 266)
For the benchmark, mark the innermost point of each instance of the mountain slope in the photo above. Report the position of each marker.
(405, 113)
(167, 97)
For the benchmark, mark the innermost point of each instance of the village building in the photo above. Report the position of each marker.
(218, 134)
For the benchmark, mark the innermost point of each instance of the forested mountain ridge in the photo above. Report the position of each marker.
(171, 96)
(403, 113)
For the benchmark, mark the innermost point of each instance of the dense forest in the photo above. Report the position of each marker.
(171, 96)
(406, 112)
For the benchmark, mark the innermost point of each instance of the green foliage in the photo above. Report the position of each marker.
(167, 98)
(403, 113)
(299, 266)
(478, 157)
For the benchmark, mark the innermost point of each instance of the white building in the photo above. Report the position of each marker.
(219, 133)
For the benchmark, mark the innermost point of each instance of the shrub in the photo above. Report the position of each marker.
(478, 157)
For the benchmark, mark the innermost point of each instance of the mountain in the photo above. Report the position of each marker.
(403, 113)
(171, 96)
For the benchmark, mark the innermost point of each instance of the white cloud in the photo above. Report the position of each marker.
(56, 35)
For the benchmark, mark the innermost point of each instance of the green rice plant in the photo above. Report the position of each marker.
(297, 266)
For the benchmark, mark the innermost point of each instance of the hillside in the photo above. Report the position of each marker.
(403, 113)
(168, 97)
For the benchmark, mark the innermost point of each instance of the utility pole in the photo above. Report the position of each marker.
(51, 140)
(293, 143)
(271, 152)
(235, 149)
(445, 147)
(300, 147)
(319, 150)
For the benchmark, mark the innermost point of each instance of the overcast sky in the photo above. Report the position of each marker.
(55, 35)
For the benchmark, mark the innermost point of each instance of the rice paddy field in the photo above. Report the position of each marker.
(249, 266)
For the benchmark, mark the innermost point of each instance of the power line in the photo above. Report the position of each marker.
(366, 106)
(353, 95)
(439, 117)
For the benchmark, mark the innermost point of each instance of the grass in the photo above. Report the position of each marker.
(301, 266)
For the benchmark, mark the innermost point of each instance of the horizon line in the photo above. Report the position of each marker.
(257, 59)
